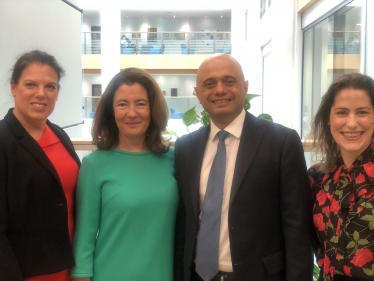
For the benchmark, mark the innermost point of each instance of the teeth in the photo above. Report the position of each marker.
(220, 101)
(38, 104)
(351, 134)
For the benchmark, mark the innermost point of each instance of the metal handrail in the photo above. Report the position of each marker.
(165, 42)
(86, 145)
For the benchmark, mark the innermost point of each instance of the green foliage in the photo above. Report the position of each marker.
(316, 272)
(191, 117)
(169, 132)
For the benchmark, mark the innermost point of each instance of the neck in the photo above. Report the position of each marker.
(348, 159)
(132, 145)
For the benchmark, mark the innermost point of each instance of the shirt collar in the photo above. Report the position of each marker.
(235, 128)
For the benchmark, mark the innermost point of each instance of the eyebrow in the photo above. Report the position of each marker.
(224, 77)
(135, 100)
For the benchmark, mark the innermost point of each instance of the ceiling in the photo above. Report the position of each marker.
(165, 13)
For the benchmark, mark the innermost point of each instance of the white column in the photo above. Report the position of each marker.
(369, 61)
(110, 16)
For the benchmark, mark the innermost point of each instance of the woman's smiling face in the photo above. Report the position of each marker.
(352, 122)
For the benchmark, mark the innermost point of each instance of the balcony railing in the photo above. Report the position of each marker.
(151, 43)
(86, 145)
(344, 42)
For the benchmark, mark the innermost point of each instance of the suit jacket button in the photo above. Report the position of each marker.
(194, 231)
(189, 266)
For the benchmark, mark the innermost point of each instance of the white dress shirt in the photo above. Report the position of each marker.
(232, 144)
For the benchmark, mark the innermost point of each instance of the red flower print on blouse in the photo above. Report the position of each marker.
(335, 206)
(351, 199)
(370, 194)
(326, 265)
(326, 210)
(347, 270)
(337, 174)
(369, 169)
(360, 178)
(362, 192)
(362, 257)
(325, 178)
(318, 222)
(337, 232)
(321, 197)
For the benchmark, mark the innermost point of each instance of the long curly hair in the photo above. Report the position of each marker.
(320, 133)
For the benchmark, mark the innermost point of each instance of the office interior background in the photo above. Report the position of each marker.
(290, 50)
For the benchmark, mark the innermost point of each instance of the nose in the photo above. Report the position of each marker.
(351, 121)
(40, 92)
(220, 88)
(132, 111)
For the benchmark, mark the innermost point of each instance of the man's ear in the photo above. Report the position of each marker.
(197, 93)
(246, 86)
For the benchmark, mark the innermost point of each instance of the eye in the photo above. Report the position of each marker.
(142, 104)
(121, 105)
(230, 81)
(341, 113)
(29, 85)
(208, 84)
(362, 112)
(51, 87)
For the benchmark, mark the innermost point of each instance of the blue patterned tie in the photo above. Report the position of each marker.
(207, 251)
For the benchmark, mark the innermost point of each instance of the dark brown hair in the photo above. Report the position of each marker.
(35, 56)
(105, 132)
(320, 133)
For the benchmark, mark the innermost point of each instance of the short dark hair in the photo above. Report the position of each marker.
(320, 133)
(105, 132)
(35, 56)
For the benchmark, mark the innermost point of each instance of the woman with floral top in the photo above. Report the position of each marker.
(343, 183)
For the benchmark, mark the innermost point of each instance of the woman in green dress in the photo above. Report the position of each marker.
(127, 195)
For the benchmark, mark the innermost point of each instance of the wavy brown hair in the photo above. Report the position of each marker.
(320, 133)
(105, 132)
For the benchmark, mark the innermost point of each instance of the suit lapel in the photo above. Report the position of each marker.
(30, 144)
(249, 142)
(197, 149)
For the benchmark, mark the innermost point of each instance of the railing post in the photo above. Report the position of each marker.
(85, 44)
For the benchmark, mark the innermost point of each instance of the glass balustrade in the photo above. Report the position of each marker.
(159, 43)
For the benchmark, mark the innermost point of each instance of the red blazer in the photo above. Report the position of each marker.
(270, 212)
(34, 238)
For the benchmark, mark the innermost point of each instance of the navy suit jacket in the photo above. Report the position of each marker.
(34, 237)
(270, 211)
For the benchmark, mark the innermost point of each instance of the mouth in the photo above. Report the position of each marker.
(221, 101)
(352, 135)
(38, 105)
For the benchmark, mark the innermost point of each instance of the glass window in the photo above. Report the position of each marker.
(331, 48)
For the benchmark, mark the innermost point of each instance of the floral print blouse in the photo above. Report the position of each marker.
(343, 216)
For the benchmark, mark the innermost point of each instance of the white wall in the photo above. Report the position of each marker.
(279, 32)
(51, 26)
(370, 39)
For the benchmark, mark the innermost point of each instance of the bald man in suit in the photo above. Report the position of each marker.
(266, 215)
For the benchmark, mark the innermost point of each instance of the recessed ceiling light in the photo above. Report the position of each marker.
(221, 17)
(174, 16)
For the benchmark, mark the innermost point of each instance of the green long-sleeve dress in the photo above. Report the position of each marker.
(126, 209)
